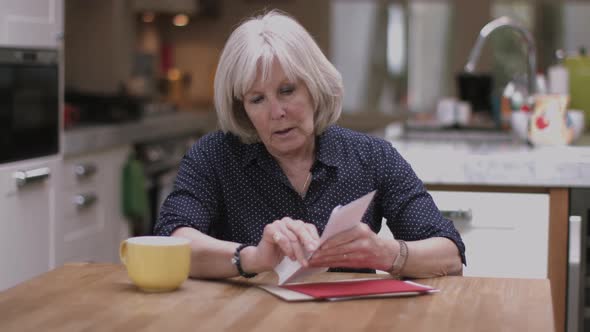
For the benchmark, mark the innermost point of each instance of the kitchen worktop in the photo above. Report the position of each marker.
(449, 158)
(493, 159)
(90, 138)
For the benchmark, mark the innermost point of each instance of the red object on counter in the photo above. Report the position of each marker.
(541, 122)
(351, 288)
(71, 115)
(166, 58)
(525, 108)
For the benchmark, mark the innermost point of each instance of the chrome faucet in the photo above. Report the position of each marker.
(506, 22)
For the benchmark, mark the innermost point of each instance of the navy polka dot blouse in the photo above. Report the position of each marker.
(230, 190)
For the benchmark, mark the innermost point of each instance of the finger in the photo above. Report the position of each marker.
(313, 231)
(298, 228)
(340, 239)
(362, 246)
(283, 225)
(299, 253)
(294, 245)
(347, 248)
(272, 233)
(289, 238)
(295, 227)
(342, 260)
(284, 244)
(359, 231)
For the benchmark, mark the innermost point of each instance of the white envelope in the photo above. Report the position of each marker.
(341, 219)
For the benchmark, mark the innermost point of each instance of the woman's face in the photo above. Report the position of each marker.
(282, 113)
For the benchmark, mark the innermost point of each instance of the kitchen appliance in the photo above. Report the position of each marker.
(29, 104)
(95, 108)
(476, 89)
(161, 160)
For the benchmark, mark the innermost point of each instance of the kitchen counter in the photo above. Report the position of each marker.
(492, 159)
(90, 138)
(439, 158)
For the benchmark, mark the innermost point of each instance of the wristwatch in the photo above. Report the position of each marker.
(236, 261)
(400, 260)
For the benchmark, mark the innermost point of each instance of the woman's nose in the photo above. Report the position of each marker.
(277, 109)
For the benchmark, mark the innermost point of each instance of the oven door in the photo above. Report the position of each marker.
(29, 106)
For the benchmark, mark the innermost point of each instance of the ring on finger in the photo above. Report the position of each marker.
(277, 236)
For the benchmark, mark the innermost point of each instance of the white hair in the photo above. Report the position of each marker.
(254, 45)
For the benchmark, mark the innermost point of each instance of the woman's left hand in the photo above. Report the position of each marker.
(358, 247)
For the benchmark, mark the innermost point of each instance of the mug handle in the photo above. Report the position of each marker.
(123, 252)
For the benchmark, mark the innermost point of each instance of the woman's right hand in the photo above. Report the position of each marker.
(286, 237)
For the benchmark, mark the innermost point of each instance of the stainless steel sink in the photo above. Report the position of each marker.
(454, 141)
(458, 135)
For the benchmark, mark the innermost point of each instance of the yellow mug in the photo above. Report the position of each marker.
(156, 263)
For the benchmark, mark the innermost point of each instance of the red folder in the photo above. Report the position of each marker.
(353, 288)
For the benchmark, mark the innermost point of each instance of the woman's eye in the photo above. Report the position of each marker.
(287, 90)
(256, 99)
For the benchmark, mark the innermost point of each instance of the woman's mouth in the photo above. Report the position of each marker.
(283, 132)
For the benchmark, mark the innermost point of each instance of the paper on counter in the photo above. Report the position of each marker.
(340, 290)
(341, 219)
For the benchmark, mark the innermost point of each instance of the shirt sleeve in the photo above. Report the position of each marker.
(194, 201)
(409, 209)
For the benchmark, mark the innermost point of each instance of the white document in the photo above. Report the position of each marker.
(342, 218)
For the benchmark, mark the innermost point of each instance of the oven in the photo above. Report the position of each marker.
(161, 161)
(29, 105)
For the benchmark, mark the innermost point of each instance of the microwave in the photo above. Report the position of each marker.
(29, 104)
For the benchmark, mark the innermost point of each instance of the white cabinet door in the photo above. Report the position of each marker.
(507, 234)
(25, 219)
(31, 23)
(89, 224)
(112, 162)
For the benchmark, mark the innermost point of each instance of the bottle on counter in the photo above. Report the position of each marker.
(579, 80)
(514, 98)
(558, 75)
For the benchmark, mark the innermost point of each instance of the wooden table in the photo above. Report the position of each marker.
(100, 297)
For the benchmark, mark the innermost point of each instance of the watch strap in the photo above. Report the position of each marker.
(238, 263)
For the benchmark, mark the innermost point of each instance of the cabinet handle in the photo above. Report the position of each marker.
(25, 177)
(84, 170)
(575, 239)
(575, 279)
(84, 200)
(458, 215)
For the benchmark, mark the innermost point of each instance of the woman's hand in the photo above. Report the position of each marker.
(358, 247)
(285, 237)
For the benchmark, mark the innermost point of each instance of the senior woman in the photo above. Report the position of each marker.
(264, 186)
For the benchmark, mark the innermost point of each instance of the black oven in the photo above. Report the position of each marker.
(29, 105)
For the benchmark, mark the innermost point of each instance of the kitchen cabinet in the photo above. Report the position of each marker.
(557, 248)
(31, 23)
(505, 234)
(525, 216)
(89, 224)
(26, 199)
(107, 27)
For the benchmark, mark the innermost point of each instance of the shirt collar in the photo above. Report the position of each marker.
(254, 151)
(326, 144)
(327, 148)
